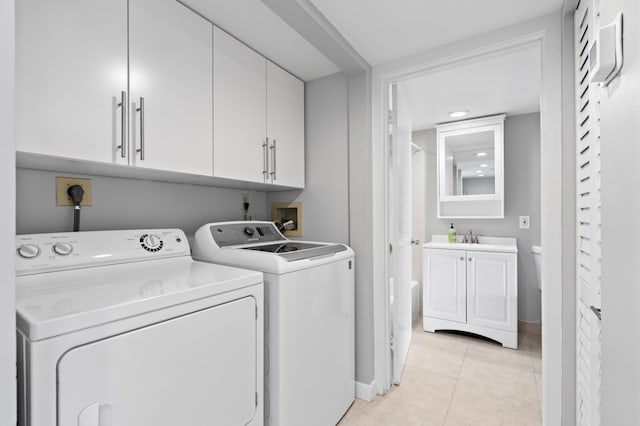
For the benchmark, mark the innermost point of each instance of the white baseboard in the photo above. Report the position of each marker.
(366, 392)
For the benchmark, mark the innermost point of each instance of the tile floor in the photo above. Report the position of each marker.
(453, 379)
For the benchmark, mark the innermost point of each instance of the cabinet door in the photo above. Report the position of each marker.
(71, 69)
(492, 290)
(285, 127)
(444, 295)
(239, 110)
(171, 54)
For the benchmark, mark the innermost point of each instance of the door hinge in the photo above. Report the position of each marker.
(392, 344)
(256, 311)
(256, 399)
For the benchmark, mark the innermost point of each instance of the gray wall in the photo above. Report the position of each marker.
(522, 197)
(7, 222)
(325, 199)
(127, 204)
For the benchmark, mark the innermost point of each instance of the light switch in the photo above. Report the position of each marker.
(524, 222)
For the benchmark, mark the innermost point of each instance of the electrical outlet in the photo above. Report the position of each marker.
(63, 183)
(524, 222)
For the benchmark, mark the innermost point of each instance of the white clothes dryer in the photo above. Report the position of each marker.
(309, 317)
(124, 328)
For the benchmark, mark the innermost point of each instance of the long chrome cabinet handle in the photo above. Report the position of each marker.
(273, 160)
(123, 119)
(265, 158)
(141, 110)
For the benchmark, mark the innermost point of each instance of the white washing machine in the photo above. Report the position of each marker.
(124, 328)
(309, 317)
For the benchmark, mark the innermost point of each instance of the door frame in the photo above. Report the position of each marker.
(557, 353)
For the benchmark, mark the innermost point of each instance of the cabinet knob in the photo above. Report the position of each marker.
(470, 259)
(461, 258)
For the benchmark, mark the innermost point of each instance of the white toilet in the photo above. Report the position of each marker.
(537, 258)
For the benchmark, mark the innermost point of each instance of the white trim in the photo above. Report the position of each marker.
(366, 392)
(546, 32)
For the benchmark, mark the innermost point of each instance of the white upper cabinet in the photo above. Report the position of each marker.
(239, 110)
(285, 127)
(71, 71)
(171, 89)
(75, 69)
(258, 117)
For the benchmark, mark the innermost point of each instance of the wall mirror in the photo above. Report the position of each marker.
(471, 168)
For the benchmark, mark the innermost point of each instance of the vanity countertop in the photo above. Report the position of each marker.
(497, 244)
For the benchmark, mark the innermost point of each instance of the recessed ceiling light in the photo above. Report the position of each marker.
(484, 165)
(478, 171)
(458, 114)
(481, 154)
(480, 175)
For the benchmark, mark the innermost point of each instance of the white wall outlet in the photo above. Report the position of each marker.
(524, 222)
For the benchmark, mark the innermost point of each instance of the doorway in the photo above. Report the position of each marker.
(546, 33)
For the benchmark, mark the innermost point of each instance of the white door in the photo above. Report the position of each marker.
(285, 127)
(400, 231)
(492, 293)
(588, 219)
(197, 369)
(240, 147)
(171, 99)
(445, 294)
(71, 71)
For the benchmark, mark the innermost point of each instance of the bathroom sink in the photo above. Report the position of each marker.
(499, 244)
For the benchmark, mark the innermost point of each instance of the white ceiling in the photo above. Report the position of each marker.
(259, 27)
(508, 83)
(385, 30)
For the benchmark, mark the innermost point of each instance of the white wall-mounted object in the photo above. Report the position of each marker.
(130, 85)
(472, 288)
(471, 168)
(125, 83)
(605, 53)
(258, 115)
(525, 222)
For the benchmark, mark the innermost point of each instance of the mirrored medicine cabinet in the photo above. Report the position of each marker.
(471, 168)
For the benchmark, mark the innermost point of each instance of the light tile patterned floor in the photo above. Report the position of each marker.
(454, 379)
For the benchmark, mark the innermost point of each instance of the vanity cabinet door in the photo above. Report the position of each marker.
(444, 275)
(492, 293)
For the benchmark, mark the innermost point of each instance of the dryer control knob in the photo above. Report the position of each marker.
(152, 241)
(62, 249)
(28, 251)
(249, 231)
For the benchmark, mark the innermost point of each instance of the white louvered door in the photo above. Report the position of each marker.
(588, 220)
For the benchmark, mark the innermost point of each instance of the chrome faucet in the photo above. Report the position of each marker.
(469, 238)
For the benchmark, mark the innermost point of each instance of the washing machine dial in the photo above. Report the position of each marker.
(151, 242)
(28, 251)
(249, 231)
(62, 248)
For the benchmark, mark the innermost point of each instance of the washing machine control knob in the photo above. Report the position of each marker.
(28, 251)
(151, 242)
(249, 231)
(62, 248)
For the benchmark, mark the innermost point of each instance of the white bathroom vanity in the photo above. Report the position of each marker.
(472, 288)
